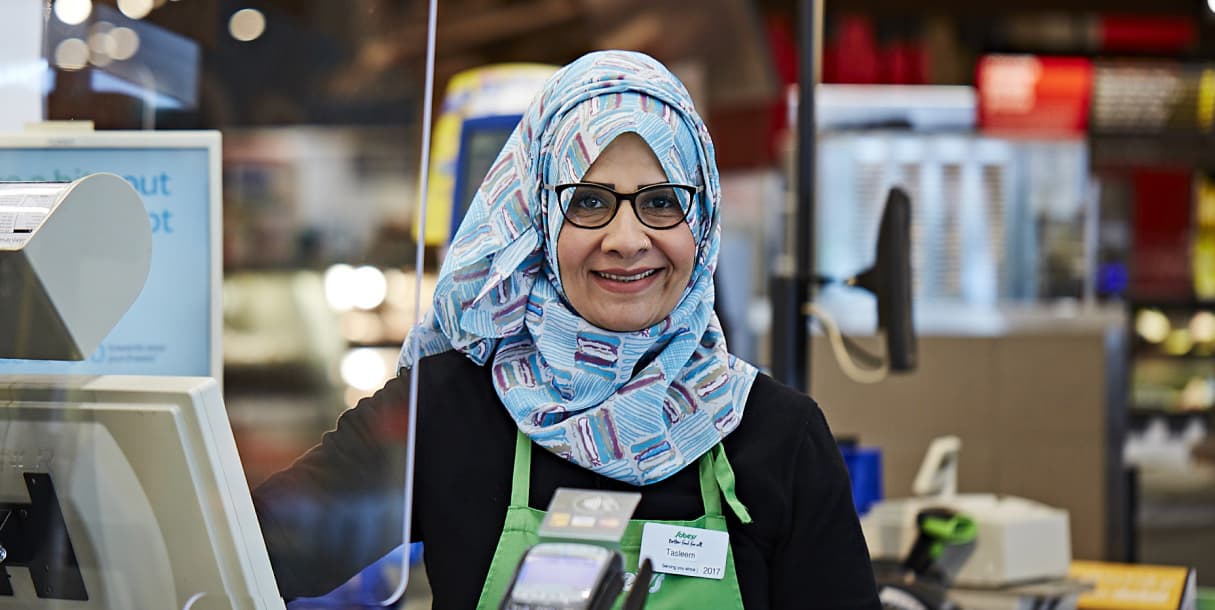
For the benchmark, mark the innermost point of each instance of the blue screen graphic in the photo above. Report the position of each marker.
(167, 331)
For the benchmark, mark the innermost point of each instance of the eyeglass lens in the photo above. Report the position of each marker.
(658, 206)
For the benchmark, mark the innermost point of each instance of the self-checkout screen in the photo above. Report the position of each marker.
(169, 329)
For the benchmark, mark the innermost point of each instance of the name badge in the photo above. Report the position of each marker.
(687, 551)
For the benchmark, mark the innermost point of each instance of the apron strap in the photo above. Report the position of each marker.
(716, 473)
(709, 494)
(522, 480)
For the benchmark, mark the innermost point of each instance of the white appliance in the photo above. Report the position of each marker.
(1018, 540)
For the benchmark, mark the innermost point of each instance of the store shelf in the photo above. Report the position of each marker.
(1187, 304)
(1180, 150)
(1166, 411)
(1139, 354)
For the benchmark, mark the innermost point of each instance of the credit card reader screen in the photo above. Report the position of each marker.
(564, 575)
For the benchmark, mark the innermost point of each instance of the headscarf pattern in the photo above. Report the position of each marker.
(633, 406)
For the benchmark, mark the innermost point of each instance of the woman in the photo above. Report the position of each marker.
(573, 344)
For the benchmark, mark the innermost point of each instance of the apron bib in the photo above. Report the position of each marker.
(667, 591)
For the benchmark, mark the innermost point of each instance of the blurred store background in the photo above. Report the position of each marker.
(1059, 155)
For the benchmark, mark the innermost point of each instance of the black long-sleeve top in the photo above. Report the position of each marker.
(338, 508)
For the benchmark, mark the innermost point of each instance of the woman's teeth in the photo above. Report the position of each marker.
(626, 278)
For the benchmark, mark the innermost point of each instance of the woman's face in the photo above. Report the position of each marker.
(625, 276)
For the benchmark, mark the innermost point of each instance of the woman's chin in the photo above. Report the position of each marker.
(616, 322)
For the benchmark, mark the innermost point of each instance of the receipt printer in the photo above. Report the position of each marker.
(1018, 540)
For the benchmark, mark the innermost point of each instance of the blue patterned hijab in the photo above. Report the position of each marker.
(633, 406)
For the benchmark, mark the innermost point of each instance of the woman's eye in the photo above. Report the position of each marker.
(589, 202)
(663, 200)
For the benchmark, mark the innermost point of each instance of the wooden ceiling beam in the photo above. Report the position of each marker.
(459, 32)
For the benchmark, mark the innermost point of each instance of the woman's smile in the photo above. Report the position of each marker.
(630, 282)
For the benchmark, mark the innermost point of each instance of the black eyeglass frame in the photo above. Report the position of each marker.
(692, 191)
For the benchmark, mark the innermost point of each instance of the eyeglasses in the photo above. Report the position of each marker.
(593, 206)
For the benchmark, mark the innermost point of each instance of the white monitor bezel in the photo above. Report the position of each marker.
(206, 442)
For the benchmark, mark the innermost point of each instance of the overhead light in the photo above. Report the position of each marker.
(1202, 325)
(247, 24)
(72, 54)
(136, 9)
(101, 45)
(125, 43)
(1152, 325)
(364, 369)
(370, 288)
(339, 285)
(73, 12)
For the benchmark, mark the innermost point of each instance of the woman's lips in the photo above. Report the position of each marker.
(626, 282)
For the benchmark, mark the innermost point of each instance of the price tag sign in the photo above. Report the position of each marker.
(1135, 587)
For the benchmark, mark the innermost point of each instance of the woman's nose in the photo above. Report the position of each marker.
(625, 235)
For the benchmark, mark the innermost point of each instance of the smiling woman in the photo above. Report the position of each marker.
(572, 343)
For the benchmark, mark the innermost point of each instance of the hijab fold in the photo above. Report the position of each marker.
(634, 406)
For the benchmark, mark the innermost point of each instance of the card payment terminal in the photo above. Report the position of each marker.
(566, 576)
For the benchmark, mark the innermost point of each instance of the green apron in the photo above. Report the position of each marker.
(667, 591)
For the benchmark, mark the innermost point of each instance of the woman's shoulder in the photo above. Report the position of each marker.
(445, 372)
(779, 404)
(452, 388)
(446, 365)
(781, 418)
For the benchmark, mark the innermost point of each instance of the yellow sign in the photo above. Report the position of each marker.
(1203, 246)
(1134, 587)
(502, 89)
(1206, 99)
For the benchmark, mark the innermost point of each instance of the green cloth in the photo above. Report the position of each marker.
(667, 591)
(1206, 599)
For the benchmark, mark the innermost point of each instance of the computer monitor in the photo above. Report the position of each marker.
(889, 279)
(481, 139)
(125, 492)
(174, 326)
(480, 108)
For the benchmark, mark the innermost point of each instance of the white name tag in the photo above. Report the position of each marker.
(687, 551)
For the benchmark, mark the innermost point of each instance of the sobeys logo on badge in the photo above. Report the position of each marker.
(683, 538)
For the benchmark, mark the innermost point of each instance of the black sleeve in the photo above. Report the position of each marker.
(824, 563)
(339, 507)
